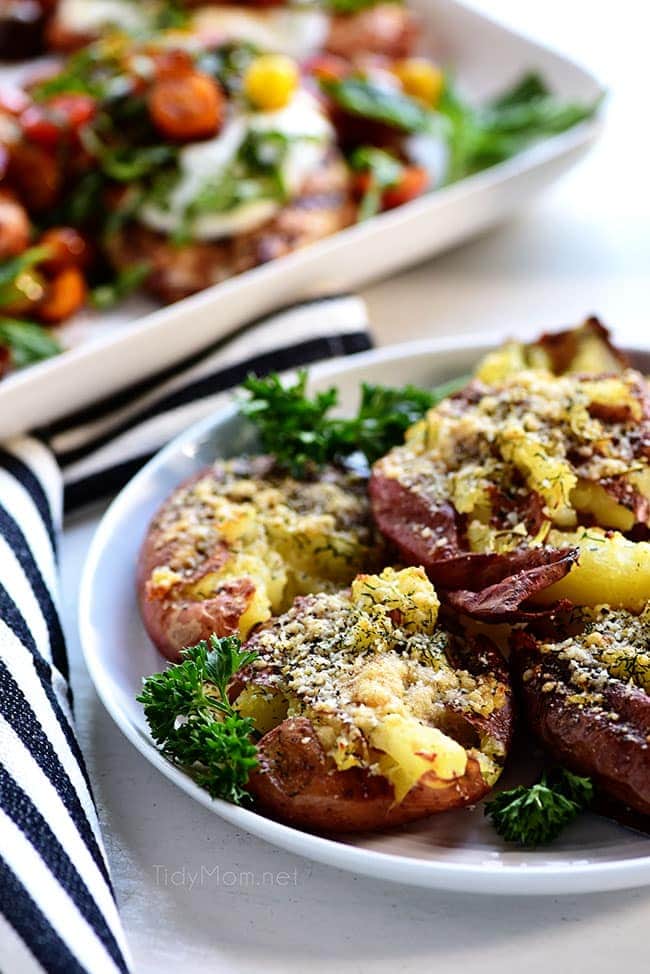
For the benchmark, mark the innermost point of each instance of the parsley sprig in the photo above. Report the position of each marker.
(535, 815)
(194, 723)
(300, 432)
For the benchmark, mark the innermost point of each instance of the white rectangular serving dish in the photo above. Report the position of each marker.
(108, 351)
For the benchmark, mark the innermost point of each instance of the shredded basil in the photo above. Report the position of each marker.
(28, 341)
(384, 171)
(364, 97)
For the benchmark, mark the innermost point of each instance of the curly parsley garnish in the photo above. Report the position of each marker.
(536, 815)
(300, 432)
(193, 721)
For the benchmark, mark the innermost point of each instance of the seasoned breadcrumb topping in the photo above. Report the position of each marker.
(245, 520)
(350, 660)
(610, 646)
(532, 452)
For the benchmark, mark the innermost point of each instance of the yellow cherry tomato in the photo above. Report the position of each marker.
(420, 79)
(270, 81)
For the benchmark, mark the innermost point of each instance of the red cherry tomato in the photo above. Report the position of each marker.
(362, 183)
(39, 127)
(413, 183)
(56, 119)
(75, 110)
(326, 67)
(68, 249)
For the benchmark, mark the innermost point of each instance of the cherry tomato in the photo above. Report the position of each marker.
(68, 249)
(65, 294)
(362, 182)
(413, 183)
(48, 124)
(14, 227)
(76, 110)
(327, 67)
(186, 108)
(173, 64)
(40, 127)
(35, 174)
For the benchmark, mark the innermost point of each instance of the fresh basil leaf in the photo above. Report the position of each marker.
(525, 89)
(350, 6)
(81, 74)
(127, 281)
(366, 98)
(15, 266)
(384, 171)
(479, 137)
(84, 204)
(171, 15)
(384, 167)
(28, 341)
(126, 164)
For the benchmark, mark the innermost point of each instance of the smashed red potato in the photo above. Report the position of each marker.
(240, 540)
(585, 686)
(528, 486)
(371, 715)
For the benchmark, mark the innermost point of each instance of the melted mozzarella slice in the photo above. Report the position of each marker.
(298, 33)
(201, 163)
(90, 16)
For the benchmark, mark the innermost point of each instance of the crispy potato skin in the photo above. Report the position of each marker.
(175, 616)
(176, 622)
(298, 784)
(614, 752)
(472, 471)
(489, 586)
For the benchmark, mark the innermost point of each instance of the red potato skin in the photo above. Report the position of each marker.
(298, 784)
(295, 784)
(615, 753)
(492, 587)
(171, 617)
(172, 621)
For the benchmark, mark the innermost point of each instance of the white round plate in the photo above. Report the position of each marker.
(455, 850)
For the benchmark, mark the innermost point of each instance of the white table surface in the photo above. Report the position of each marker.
(585, 247)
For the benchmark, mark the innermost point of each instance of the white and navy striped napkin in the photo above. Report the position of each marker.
(57, 909)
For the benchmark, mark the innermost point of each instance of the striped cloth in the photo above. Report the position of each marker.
(57, 909)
